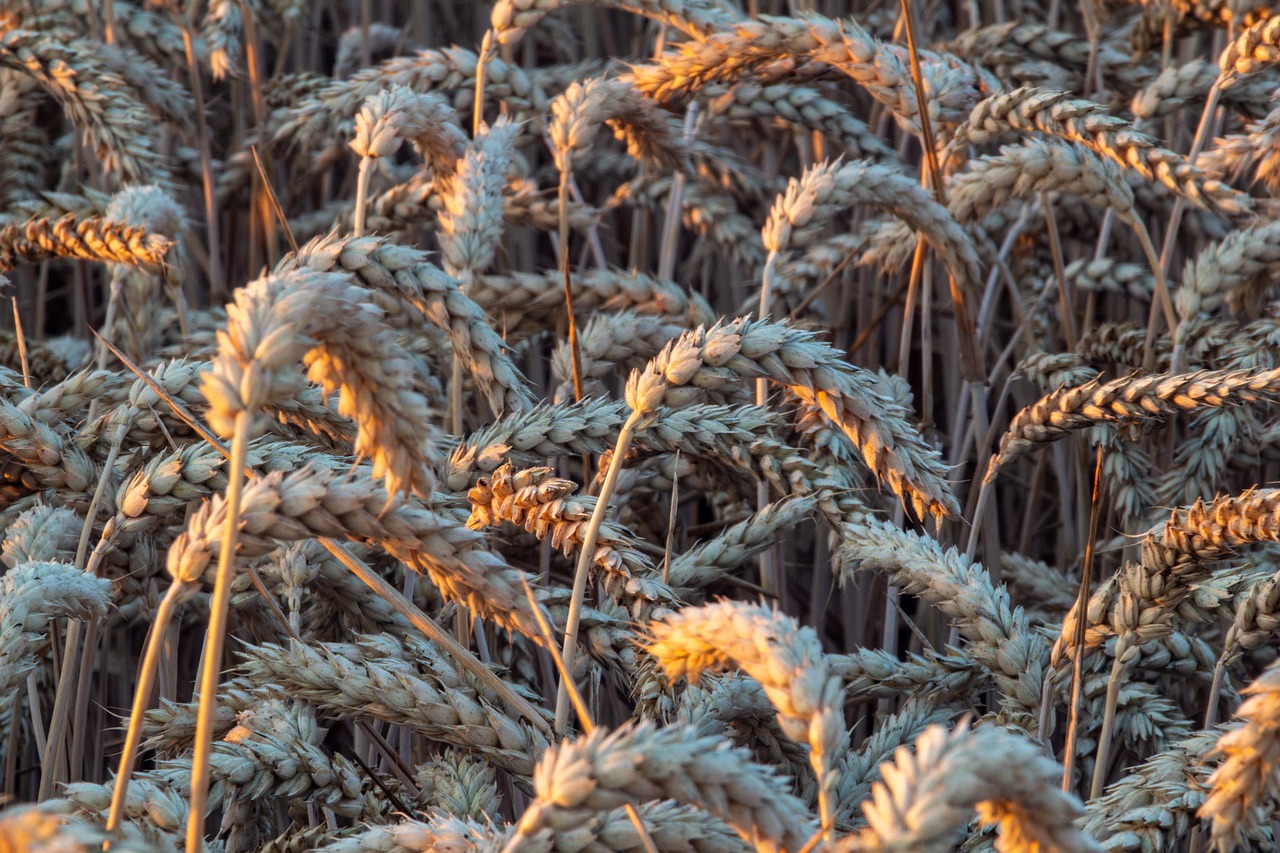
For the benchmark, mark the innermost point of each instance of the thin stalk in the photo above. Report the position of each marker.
(362, 193)
(1064, 296)
(216, 284)
(211, 661)
(1215, 691)
(675, 204)
(1081, 606)
(581, 572)
(141, 697)
(22, 343)
(770, 577)
(1103, 759)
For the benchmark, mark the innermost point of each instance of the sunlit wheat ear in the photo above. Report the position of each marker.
(637, 763)
(1246, 779)
(927, 797)
(472, 220)
(1133, 400)
(278, 322)
(89, 238)
(1057, 114)
(848, 396)
(786, 659)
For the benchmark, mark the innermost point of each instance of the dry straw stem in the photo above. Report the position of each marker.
(733, 351)
(412, 292)
(1246, 779)
(925, 800)
(1033, 167)
(1058, 115)
(409, 684)
(998, 633)
(90, 238)
(1134, 401)
(786, 659)
(115, 126)
(511, 18)
(575, 781)
(545, 506)
(278, 320)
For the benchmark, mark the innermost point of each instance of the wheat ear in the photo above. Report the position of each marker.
(786, 659)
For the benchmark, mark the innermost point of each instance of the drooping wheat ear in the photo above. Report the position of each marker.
(1048, 371)
(1057, 114)
(1128, 401)
(413, 292)
(511, 18)
(575, 781)
(461, 786)
(40, 829)
(324, 116)
(925, 799)
(829, 187)
(392, 116)
(785, 658)
(545, 506)
(708, 561)
(89, 238)
(276, 321)
(750, 101)
(472, 219)
(849, 396)
(882, 69)
(1206, 532)
(1179, 86)
(651, 134)
(115, 126)
(1027, 51)
(607, 342)
(1126, 471)
(1237, 271)
(1246, 779)
(1253, 51)
(998, 635)
(25, 145)
(525, 303)
(1201, 461)
(1153, 808)
(1038, 166)
(42, 534)
(384, 41)
(407, 683)
(1256, 621)
(223, 31)
(30, 596)
(935, 678)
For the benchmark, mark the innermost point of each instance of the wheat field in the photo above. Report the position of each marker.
(639, 425)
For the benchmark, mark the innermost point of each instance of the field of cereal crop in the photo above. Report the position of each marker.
(704, 426)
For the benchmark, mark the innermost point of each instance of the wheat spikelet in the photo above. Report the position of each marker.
(637, 763)
(511, 18)
(1246, 778)
(1135, 400)
(90, 239)
(998, 634)
(1256, 48)
(31, 594)
(471, 224)
(42, 534)
(399, 113)
(749, 101)
(544, 505)
(115, 127)
(926, 798)
(1038, 166)
(786, 659)
(276, 321)
(410, 684)
(414, 292)
(1055, 114)
(745, 349)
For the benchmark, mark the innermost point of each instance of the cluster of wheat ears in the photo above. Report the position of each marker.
(863, 447)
